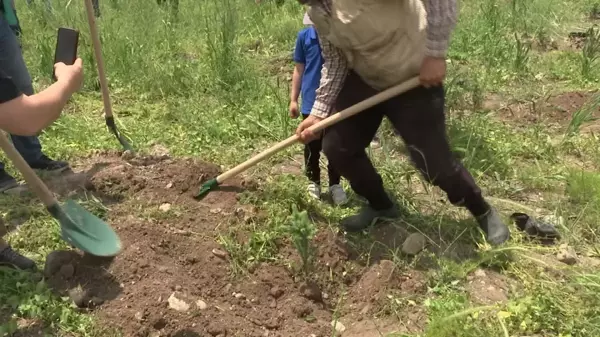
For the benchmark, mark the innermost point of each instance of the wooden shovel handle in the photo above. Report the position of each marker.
(34, 182)
(333, 119)
(99, 59)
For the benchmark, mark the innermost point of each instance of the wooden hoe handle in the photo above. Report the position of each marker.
(333, 119)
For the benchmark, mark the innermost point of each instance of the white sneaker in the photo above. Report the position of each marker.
(338, 195)
(314, 191)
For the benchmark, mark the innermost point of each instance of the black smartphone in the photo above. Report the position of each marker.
(67, 42)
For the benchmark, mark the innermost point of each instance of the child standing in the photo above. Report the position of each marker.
(305, 81)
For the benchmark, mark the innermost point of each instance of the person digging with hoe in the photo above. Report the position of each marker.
(369, 46)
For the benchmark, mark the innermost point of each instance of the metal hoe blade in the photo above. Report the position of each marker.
(208, 186)
(110, 122)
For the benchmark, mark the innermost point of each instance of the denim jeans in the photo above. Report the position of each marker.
(13, 65)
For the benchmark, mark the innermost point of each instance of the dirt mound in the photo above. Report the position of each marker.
(172, 278)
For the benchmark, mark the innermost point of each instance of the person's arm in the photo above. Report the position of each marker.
(300, 60)
(442, 16)
(24, 115)
(296, 82)
(333, 74)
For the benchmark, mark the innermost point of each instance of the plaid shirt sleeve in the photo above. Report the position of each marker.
(333, 74)
(441, 20)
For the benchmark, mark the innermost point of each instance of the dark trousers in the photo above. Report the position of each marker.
(312, 155)
(418, 116)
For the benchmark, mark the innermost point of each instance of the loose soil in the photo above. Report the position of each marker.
(173, 279)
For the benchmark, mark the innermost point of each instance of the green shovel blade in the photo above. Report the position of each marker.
(85, 231)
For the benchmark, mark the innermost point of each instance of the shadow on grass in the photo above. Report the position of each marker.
(446, 238)
(28, 307)
(81, 276)
(384, 241)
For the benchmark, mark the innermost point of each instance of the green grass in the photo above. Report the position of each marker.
(213, 83)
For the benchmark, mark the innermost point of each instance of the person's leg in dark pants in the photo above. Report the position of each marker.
(312, 154)
(334, 176)
(419, 117)
(344, 145)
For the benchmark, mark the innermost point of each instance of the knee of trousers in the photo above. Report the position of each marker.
(337, 155)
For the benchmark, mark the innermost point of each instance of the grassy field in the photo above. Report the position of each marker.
(213, 83)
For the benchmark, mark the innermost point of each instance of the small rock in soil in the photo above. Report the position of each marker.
(216, 210)
(239, 295)
(219, 253)
(201, 304)
(79, 296)
(338, 326)
(311, 291)
(139, 316)
(567, 255)
(67, 271)
(177, 304)
(276, 292)
(414, 243)
(165, 207)
(215, 329)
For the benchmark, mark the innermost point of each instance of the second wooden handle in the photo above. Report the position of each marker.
(99, 59)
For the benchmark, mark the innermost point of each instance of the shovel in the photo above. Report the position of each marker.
(79, 227)
(108, 113)
(331, 120)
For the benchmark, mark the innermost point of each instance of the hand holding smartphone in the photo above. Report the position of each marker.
(66, 47)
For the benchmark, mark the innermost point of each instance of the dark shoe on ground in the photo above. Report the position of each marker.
(7, 181)
(367, 217)
(496, 231)
(49, 165)
(9, 257)
(535, 228)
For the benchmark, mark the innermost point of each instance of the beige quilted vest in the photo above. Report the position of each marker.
(383, 40)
